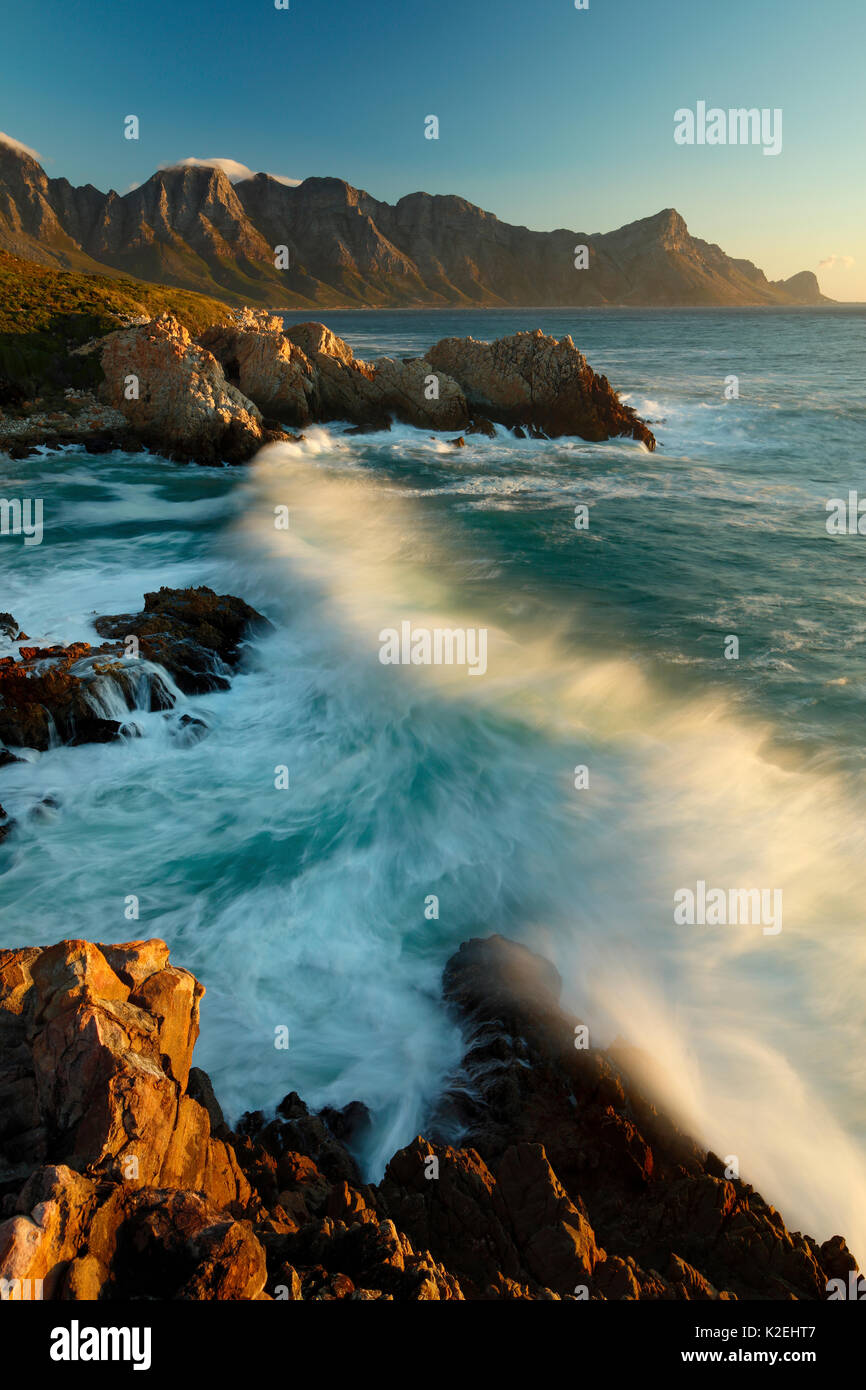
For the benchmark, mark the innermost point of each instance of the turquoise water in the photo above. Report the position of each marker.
(306, 907)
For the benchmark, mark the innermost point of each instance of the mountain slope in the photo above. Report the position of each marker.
(190, 227)
(45, 313)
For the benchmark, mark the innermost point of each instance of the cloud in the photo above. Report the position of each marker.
(837, 263)
(19, 145)
(232, 168)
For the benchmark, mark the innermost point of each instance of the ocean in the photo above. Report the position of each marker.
(424, 806)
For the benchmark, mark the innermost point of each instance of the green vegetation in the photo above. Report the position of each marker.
(46, 313)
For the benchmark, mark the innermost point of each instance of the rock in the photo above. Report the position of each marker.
(556, 1241)
(481, 425)
(194, 634)
(648, 1193)
(67, 694)
(94, 426)
(97, 1044)
(203, 401)
(265, 365)
(349, 1124)
(379, 426)
(49, 695)
(119, 1178)
(531, 376)
(200, 1088)
(347, 388)
(403, 386)
(185, 408)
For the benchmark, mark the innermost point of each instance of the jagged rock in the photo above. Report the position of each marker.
(648, 1192)
(369, 393)
(194, 634)
(62, 693)
(481, 425)
(184, 406)
(52, 694)
(531, 376)
(343, 385)
(575, 1188)
(265, 365)
(403, 386)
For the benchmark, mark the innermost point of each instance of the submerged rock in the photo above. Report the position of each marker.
(120, 1179)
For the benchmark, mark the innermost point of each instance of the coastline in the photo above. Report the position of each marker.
(72, 442)
(547, 1174)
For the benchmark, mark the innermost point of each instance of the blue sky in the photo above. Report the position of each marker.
(549, 116)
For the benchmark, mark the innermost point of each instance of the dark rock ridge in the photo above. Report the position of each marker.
(73, 694)
(119, 1177)
(191, 227)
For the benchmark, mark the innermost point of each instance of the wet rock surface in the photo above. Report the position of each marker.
(119, 1177)
(194, 634)
(73, 694)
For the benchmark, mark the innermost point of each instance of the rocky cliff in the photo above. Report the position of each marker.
(221, 398)
(190, 227)
(119, 1177)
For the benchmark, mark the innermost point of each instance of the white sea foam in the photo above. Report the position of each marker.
(306, 907)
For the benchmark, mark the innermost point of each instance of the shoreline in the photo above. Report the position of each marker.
(547, 1175)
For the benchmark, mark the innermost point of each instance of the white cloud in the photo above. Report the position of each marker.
(232, 168)
(837, 263)
(19, 145)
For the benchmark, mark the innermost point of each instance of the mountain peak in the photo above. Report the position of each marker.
(214, 226)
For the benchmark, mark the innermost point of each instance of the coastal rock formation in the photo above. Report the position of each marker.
(306, 372)
(192, 384)
(531, 378)
(80, 693)
(119, 1177)
(194, 634)
(403, 386)
(102, 1147)
(265, 365)
(174, 395)
(369, 393)
(659, 1205)
(84, 422)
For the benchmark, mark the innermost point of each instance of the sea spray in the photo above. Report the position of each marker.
(304, 909)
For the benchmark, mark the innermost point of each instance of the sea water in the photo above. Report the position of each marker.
(424, 807)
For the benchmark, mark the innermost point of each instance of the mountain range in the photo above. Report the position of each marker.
(190, 227)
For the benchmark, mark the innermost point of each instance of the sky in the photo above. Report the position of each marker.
(549, 116)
